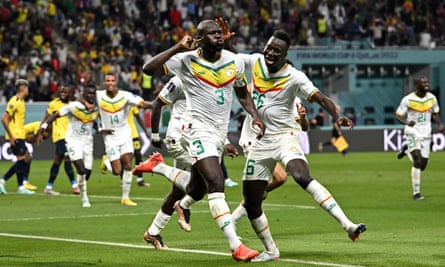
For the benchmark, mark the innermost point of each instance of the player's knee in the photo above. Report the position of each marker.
(303, 180)
(253, 211)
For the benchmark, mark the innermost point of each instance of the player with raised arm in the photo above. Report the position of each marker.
(275, 86)
(209, 74)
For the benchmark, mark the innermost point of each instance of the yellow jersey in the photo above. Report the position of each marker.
(32, 128)
(16, 110)
(60, 125)
(134, 111)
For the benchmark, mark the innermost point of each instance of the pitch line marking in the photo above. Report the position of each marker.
(195, 251)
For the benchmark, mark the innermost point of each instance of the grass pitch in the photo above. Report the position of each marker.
(373, 188)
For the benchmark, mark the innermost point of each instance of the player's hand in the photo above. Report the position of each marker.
(231, 150)
(411, 123)
(225, 29)
(259, 126)
(344, 121)
(188, 43)
(440, 128)
(301, 109)
(12, 141)
(89, 106)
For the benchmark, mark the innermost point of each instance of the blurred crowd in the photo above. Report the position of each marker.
(53, 42)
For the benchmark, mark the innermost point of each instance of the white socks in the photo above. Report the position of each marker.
(221, 214)
(322, 196)
(158, 223)
(262, 230)
(239, 213)
(178, 177)
(82, 186)
(415, 179)
(127, 177)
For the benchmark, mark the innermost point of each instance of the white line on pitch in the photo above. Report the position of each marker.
(196, 251)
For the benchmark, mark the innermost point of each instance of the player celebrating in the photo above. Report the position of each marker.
(79, 138)
(114, 106)
(209, 75)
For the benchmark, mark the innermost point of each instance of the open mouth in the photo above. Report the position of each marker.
(269, 60)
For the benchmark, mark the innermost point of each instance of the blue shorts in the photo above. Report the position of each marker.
(19, 148)
(61, 148)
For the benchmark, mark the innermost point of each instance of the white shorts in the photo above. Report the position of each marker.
(203, 140)
(81, 149)
(266, 152)
(181, 157)
(118, 145)
(418, 143)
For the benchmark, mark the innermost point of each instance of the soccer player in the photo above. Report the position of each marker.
(172, 95)
(275, 86)
(13, 121)
(31, 129)
(59, 128)
(279, 175)
(415, 111)
(79, 137)
(105, 164)
(114, 106)
(209, 74)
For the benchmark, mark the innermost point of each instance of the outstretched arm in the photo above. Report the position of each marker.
(47, 120)
(327, 104)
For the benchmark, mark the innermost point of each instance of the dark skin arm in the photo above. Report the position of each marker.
(246, 101)
(5, 122)
(48, 119)
(155, 119)
(403, 120)
(154, 65)
(327, 104)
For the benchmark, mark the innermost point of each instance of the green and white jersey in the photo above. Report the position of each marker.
(81, 120)
(208, 86)
(419, 110)
(274, 94)
(114, 111)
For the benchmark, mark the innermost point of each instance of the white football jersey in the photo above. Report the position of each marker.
(274, 94)
(208, 86)
(114, 111)
(420, 111)
(81, 120)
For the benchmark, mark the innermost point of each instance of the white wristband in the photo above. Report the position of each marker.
(155, 137)
(44, 126)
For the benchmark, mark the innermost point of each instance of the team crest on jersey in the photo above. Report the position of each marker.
(84, 115)
(216, 77)
(262, 83)
(421, 106)
(112, 106)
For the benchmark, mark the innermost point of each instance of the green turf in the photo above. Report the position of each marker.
(373, 188)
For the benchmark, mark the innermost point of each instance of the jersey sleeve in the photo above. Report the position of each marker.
(171, 91)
